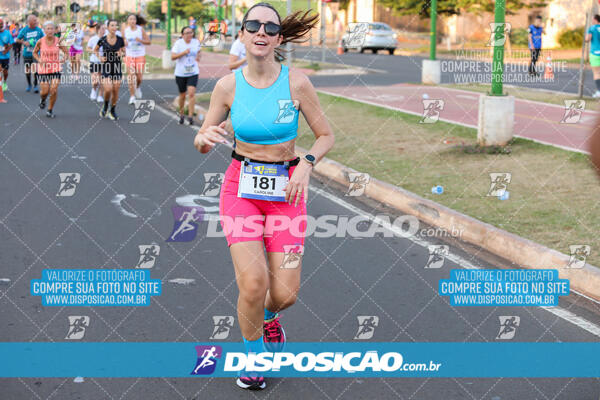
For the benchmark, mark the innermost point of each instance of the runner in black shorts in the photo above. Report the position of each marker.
(113, 48)
(28, 37)
(186, 52)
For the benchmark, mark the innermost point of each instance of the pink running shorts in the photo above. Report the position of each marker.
(279, 225)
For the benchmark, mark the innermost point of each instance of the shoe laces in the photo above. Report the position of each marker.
(273, 329)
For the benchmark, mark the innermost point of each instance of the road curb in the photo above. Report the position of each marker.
(521, 251)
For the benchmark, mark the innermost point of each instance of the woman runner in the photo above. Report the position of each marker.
(135, 40)
(112, 48)
(95, 65)
(47, 54)
(186, 53)
(264, 99)
(76, 49)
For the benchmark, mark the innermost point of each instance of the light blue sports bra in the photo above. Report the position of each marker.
(264, 116)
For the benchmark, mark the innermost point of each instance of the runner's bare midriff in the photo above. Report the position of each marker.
(267, 152)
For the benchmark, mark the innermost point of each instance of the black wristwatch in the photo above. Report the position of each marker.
(310, 159)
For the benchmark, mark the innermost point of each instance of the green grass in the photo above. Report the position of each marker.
(569, 60)
(154, 65)
(313, 66)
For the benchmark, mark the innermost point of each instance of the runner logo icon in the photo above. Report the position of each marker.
(498, 33)
(579, 253)
(358, 183)
(366, 326)
(508, 326)
(223, 324)
(431, 110)
(68, 183)
(499, 184)
(77, 325)
(143, 108)
(573, 111)
(185, 225)
(292, 256)
(148, 254)
(437, 254)
(287, 111)
(213, 182)
(207, 359)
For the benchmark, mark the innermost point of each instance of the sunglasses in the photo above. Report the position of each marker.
(253, 26)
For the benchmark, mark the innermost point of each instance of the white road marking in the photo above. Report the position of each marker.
(466, 96)
(558, 311)
(117, 202)
(182, 281)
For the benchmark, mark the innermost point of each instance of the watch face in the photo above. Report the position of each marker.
(310, 158)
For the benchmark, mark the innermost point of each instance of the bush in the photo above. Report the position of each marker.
(572, 38)
(518, 37)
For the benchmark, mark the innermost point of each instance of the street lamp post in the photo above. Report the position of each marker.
(433, 30)
(168, 24)
(496, 119)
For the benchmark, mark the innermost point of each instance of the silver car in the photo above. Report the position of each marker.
(374, 36)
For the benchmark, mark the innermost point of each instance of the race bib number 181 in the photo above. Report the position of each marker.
(263, 181)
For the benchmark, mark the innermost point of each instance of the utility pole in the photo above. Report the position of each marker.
(498, 59)
(168, 24)
(433, 30)
(496, 111)
(431, 72)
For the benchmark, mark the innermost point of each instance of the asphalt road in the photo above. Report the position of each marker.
(154, 163)
(402, 69)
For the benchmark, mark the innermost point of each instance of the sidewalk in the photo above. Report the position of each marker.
(533, 120)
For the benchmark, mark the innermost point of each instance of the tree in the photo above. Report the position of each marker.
(181, 8)
(153, 8)
(455, 7)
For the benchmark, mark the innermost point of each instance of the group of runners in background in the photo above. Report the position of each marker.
(42, 62)
(41, 49)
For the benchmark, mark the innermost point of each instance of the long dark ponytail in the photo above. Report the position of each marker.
(294, 27)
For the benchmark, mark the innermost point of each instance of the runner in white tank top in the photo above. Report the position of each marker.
(136, 40)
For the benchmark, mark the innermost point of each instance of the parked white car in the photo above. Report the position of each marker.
(374, 36)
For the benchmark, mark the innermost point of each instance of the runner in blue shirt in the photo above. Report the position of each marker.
(28, 37)
(535, 43)
(593, 36)
(6, 41)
